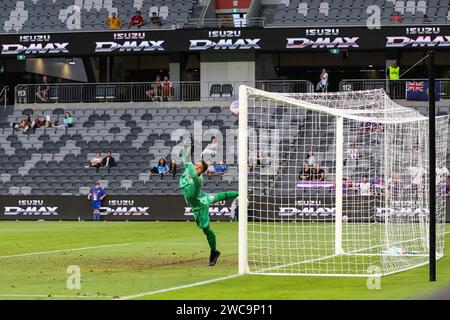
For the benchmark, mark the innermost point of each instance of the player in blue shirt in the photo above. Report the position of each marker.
(96, 195)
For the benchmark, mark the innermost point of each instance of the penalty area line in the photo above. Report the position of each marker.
(196, 284)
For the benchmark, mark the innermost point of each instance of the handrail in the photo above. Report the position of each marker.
(149, 91)
(3, 94)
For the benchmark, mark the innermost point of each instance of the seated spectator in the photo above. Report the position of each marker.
(425, 19)
(347, 184)
(37, 123)
(155, 20)
(364, 187)
(114, 22)
(306, 173)
(108, 161)
(210, 169)
(448, 187)
(221, 168)
(311, 158)
(66, 123)
(162, 168)
(166, 89)
(353, 153)
(137, 20)
(97, 161)
(255, 160)
(48, 121)
(42, 90)
(318, 174)
(211, 149)
(24, 124)
(396, 17)
(155, 89)
(173, 169)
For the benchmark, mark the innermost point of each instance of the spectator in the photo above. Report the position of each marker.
(108, 161)
(173, 169)
(364, 187)
(166, 89)
(114, 22)
(425, 19)
(48, 121)
(396, 17)
(211, 149)
(347, 184)
(66, 123)
(96, 195)
(254, 160)
(221, 168)
(311, 159)
(155, 89)
(97, 161)
(396, 183)
(211, 168)
(155, 20)
(162, 168)
(322, 85)
(318, 173)
(42, 90)
(442, 172)
(24, 124)
(448, 187)
(306, 173)
(37, 123)
(137, 20)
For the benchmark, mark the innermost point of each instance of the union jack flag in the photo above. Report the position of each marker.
(415, 86)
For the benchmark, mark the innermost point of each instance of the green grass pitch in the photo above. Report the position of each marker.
(123, 259)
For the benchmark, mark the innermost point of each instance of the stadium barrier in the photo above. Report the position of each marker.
(398, 89)
(114, 207)
(174, 208)
(148, 91)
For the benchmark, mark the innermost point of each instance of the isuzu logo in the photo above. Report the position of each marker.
(129, 36)
(423, 30)
(35, 38)
(327, 42)
(224, 34)
(322, 32)
(230, 44)
(129, 46)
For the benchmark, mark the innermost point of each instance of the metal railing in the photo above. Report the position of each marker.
(4, 96)
(395, 88)
(148, 91)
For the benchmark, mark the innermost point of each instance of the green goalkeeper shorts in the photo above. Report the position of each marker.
(201, 210)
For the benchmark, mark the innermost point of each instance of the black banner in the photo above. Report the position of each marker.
(133, 208)
(220, 40)
(174, 208)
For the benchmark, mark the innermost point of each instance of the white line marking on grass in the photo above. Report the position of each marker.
(54, 296)
(107, 246)
(196, 284)
(65, 250)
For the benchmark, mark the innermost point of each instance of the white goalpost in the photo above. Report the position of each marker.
(335, 184)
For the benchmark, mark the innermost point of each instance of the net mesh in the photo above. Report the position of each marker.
(305, 150)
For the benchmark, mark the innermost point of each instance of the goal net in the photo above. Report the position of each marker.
(335, 184)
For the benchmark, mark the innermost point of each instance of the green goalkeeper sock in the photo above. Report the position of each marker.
(225, 195)
(211, 236)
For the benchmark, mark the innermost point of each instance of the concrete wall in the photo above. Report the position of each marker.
(226, 68)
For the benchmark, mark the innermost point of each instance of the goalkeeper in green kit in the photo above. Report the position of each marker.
(191, 184)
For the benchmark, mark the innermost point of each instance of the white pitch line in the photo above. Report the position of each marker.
(65, 250)
(53, 296)
(196, 284)
(107, 246)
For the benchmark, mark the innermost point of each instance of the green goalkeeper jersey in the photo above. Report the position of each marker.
(191, 183)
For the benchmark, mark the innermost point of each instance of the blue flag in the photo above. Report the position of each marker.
(419, 90)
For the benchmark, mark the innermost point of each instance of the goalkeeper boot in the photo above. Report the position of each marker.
(213, 257)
